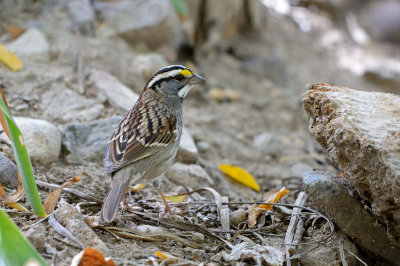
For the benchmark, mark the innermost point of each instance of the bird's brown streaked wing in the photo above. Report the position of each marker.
(132, 141)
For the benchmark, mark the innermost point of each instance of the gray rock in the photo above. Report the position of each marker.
(153, 22)
(203, 145)
(71, 219)
(328, 254)
(193, 176)
(383, 72)
(87, 141)
(332, 195)
(299, 168)
(42, 139)
(8, 172)
(32, 43)
(268, 144)
(237, 217)
(187, 152)
(37, 236)
(120, 96)
(360, 132)
(197, 237)
(145, 65)
(67, 105)
(382, 20)
(271, 67)
(82, 15)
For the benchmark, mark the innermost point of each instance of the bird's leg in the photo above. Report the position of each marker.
(125, 204)
(167, 209)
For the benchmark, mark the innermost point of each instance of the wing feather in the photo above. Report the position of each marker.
(140, 134)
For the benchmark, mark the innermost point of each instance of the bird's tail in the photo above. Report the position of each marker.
(119, 185)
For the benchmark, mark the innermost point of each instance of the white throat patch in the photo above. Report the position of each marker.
(184, 91)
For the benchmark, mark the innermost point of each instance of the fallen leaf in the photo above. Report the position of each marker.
(224, 95)
(254, 213)
(9, 59)
(341, 175)
(20, 190)
(177, 198)
(13, 31)
(17, 206)
(91, 256)
(17, 195)
(171, 259)
(52, 198)
(274, 198)
(136, 188)
(161, 255)
(240, 175)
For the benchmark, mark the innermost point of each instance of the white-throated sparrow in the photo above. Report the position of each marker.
(146, 141)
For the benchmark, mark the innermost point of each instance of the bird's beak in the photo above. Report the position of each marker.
(196, 79)
(193, 80)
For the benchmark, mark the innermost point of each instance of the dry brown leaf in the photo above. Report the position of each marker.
(91, 256)
(13, 31)
(20, 190)
(274, 198)
(2, 119)
(254, 213)
(171, 259)
(17, 195)
(52, 198)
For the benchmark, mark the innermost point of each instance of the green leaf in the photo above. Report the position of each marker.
(180, 7)
(23, 162)
(14, 248)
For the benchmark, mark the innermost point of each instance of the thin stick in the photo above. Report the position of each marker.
(342, 255)
(290, 249)
(69, 190)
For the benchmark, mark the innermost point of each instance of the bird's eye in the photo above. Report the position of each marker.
(179, 77)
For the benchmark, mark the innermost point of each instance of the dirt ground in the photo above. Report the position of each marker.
(264, 130)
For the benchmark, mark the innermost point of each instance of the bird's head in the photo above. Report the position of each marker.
(174, 81)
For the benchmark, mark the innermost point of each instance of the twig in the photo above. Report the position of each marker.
(244, 231)
(69, 190)
(360, 260)
(157, 237)
(47, 82)
(176, 224)
(41, 220)
(342, 255)
(63, 231)
(81, 88)
(290, 248)
(299, 232)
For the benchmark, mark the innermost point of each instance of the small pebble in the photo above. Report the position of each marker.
(8, 172)
(203, 145)
(238, 217)
(198, 237)
(144, 228)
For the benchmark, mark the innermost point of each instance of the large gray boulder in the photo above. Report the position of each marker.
(361, 133)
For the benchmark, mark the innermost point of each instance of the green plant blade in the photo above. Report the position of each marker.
(23, 162)
(180, 7)
(14, 248)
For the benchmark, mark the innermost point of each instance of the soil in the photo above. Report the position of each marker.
(225, 131)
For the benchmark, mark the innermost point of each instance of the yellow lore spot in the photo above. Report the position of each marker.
(186, 73)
